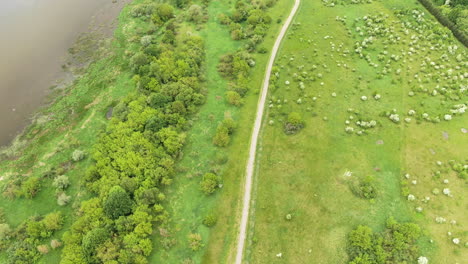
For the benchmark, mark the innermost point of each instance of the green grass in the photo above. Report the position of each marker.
(302, 175)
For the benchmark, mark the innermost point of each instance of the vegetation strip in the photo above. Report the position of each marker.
(255, 133)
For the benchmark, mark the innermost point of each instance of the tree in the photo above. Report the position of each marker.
(118, 203)
(209, 183)
(92, 240)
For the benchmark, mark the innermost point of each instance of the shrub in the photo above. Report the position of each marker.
(118, 203)
(43, 249)
(165, 12)
(234, 98)
(61, 182)
(63, 199)
(30, 188)
(396, 244)
(146, 40)
(195, 242)
(210, 220)
(364, 188)
(54, 243)
(195, 14)
(229, 124)
(221, 138)
(5, 231)
(209, 183)
(293, 124)
(78, 155)
(53, 221)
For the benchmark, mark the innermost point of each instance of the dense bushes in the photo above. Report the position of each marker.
(456, 19)
(28, 236)
(134, 157)
(396, 244)
(249, 20)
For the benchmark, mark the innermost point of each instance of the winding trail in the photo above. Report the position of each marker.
(255, 135)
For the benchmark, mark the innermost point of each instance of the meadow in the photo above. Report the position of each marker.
(381, 89)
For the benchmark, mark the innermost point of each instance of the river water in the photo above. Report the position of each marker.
(34, 38)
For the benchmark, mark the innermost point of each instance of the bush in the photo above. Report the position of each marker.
(365, 188)
(221, 138)
(61, 182)
(53, 221)
(195, 242)
(195, 14)
(78, 155)
(5, 231)
(210, 220)
(293, 124)
(54, 243)
(30, 188)
(63, 199)
(396, 244)
(209, 183)
(234, 98)
(43, 249)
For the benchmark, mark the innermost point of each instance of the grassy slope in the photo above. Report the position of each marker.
(303, 174)
(186, 203)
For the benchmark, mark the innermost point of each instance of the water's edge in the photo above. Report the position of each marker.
(34, 49)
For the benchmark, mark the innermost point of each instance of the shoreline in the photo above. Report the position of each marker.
(98, 32)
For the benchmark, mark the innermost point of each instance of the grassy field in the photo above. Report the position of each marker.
(187, 204)
(308, 175)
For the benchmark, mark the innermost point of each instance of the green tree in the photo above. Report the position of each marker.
(118, 203)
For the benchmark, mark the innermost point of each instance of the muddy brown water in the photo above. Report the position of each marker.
(35, 36)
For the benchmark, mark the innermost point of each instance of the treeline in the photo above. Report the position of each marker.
(134, 158)
(458, 29)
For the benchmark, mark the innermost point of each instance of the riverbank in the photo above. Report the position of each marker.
(36, 58)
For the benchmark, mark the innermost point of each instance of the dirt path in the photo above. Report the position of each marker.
(255, 134)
